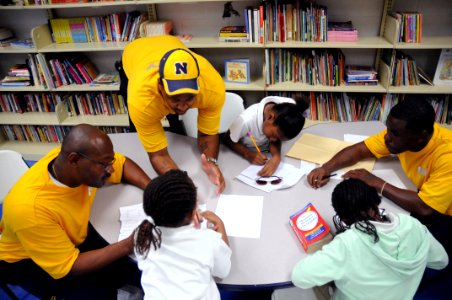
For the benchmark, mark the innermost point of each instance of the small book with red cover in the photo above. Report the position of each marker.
(310, 228)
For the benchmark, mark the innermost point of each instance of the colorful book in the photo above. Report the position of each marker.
(237, 70)
(310, 228)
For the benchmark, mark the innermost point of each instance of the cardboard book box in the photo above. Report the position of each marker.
(310, 228)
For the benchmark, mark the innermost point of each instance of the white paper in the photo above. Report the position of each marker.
(131, 217)
(354, 138)
(290, 176)
(241, 215)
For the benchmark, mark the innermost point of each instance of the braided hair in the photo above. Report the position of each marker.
(289, 117)
(352, 200)
(169, 200)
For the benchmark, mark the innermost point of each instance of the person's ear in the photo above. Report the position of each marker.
(73, 158)
(271, 116)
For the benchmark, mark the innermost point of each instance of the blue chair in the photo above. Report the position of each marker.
(12, 167)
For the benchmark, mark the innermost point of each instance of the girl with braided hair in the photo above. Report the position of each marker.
(178, 261)
(374, 255)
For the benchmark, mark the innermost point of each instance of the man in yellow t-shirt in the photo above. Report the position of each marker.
(47, 244)
(425, 153)
(164, 77)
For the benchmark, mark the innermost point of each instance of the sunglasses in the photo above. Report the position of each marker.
(263, 180)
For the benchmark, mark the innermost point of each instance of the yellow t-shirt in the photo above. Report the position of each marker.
(46, 222)
(429, 169)
(141, 59)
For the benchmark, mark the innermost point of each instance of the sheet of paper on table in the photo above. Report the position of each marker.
(241, 215)
(319, 150)
(290, 176)
(131, 217)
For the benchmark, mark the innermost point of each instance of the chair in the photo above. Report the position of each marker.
(12, 167)
(233, 106)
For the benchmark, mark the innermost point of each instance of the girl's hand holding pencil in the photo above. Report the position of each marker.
(257, 158)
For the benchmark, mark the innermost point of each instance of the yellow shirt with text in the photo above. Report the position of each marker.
(429, 169)
(141, 60)
(46, 222)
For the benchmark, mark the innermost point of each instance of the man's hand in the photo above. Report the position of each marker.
(213, 173)
(318, 177)
(365, 176)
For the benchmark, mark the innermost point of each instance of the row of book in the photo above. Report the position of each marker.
(46, 133)
(410, 26)
(102, 103)
(93, 103)
(313, 67)
(349, 107)
(297, 21)
(30, 102)
(57, 71)
(117, 27)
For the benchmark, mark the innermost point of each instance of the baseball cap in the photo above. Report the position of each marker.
(179, 72)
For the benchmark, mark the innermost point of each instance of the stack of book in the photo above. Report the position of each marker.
(6, 37)
(410, 30)
(360, 75)
(18, 75)
(342, 32)
(233, 34)
(111, 78)
(148, 28)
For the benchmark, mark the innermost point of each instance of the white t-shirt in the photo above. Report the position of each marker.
(251, 120)
(184, 266)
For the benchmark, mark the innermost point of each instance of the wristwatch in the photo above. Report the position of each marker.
(213, 160)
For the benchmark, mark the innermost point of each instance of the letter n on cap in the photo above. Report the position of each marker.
(181, 68)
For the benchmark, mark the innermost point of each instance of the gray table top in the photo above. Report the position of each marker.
(267, 261)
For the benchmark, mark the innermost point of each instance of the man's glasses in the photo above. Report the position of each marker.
(104, 165)
(268, 179)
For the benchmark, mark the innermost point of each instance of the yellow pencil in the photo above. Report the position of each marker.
(254, 142)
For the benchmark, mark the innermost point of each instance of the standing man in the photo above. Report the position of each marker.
(425, 153)
(164, 77)
(47, 244)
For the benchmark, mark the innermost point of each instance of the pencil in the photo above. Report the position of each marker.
(254, 142)
(328, 176)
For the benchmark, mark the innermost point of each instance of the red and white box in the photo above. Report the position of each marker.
(310, 228)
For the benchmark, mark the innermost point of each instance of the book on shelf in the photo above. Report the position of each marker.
(233, 39)
(443, 73)
(111, 78)
(22, 44)
(237, 70)
(356, 72)
(310, 228)
(149, 28)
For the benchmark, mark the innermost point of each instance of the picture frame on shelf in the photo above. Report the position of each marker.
(237, 70)
(443, 73)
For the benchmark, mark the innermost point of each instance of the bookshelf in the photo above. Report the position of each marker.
(203, 19)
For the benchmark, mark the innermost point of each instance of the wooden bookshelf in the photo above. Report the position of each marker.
(202, 19)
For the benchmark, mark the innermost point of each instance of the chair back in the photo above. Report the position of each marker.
(12, 167)
(233, 106)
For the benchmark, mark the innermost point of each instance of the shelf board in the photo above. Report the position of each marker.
(255, 85)
(212, 42)
(362, 43)
(30, 151)
(428, 42)
(421, 89)
(97, 120)
(294, 86)
(86, 88)
(29, 118)
(83, 47)
(16, 50)
(33, 88)
(100, 4)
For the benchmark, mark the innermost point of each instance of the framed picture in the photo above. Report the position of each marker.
(237, 70)
(443, 74)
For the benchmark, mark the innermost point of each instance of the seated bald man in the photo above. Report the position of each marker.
(48, 246)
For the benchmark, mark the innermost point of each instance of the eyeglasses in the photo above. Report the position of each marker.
(263, 180)
(104, 165)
